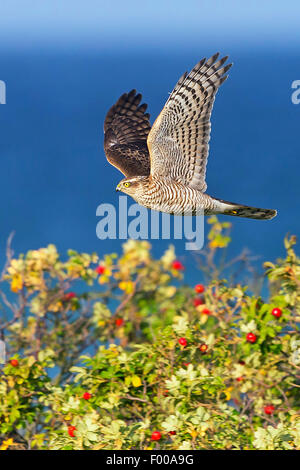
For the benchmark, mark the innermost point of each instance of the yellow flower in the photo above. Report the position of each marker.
(126, 286)
(228, 393)
(16, 265)
(16, 283)
(168, 257)
(10, 381)
(171, 344)
(75, 270)
(35, 279)
(103, 279)
(6, 444)
(136, 381)
(55, 307)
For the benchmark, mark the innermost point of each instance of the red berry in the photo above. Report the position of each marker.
(182, 342)
(198, 301)
(69, 296)
(203, 347)
(14, 362)
(251, 338)
(239, 379)
(206, 311)
(100, 269)
(119, 321)
(156, 436)
(71, 430)
(178, 265)
(173, 433)
(186, 364)
(165, 393)
(86, 396)
(269, 409)
(277, 312)
(199, 288)
(242, 362)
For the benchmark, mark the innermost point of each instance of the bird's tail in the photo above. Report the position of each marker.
(239, 210)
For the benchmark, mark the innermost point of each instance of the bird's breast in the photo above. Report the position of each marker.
(173, 198)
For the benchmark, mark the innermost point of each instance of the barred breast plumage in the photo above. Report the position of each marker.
(174, 198)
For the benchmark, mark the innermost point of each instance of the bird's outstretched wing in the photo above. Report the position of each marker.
(126, 128)
(178, 140)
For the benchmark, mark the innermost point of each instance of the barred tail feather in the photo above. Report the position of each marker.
(239, 210)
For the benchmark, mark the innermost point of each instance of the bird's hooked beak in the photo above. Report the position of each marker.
(118, 188)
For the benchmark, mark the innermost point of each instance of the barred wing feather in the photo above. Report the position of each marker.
(126, 129)
(178, 140)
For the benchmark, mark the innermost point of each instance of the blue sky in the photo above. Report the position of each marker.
(97, 23)
(66, 61)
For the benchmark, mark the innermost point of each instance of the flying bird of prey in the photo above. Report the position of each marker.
(165, 165)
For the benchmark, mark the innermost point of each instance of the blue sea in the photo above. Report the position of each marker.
(54, 173)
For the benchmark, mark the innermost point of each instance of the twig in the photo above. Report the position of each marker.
(129, 397)
(9, 253)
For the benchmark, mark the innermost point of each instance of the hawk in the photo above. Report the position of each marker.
(165, 165)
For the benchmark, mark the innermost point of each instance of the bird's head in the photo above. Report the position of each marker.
(134, 186)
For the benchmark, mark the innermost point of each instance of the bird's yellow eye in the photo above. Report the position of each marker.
(127, 184)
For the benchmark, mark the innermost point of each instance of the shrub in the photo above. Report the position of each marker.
(107, 353)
